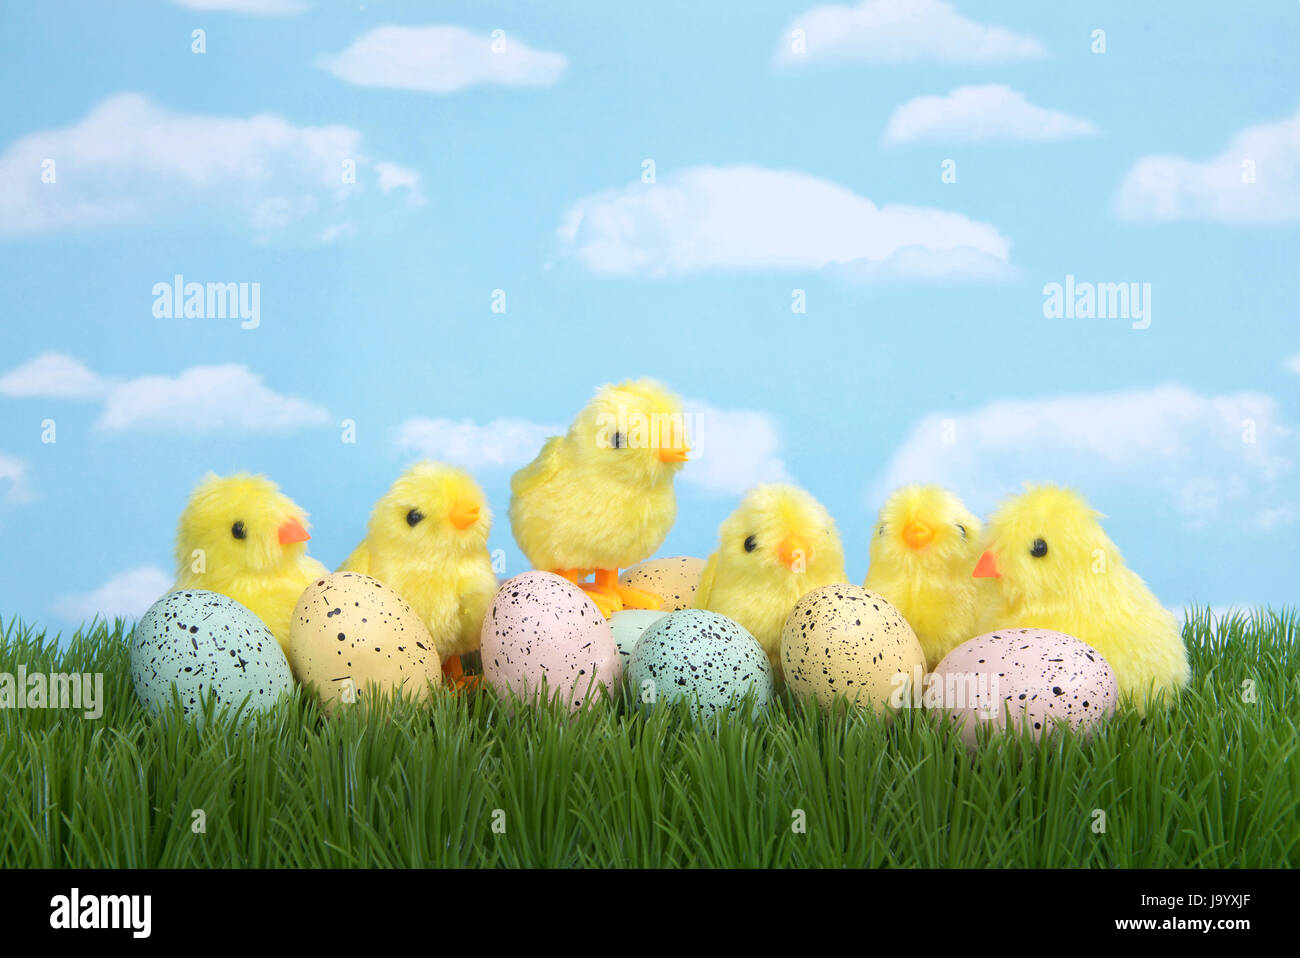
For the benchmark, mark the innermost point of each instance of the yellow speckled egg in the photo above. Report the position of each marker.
(673, 579)
(352, 635)
(847, 640)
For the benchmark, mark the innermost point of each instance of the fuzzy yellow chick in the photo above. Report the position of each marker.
(427, 541)
(240, 536)
(922, 553)
(1047, 564)
(779, 544)
(600, 498)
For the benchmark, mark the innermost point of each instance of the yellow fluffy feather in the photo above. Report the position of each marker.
(240, 536)
(427, 541)
(779, 544)
(922, 553)
(1048, 564)
(600, 498)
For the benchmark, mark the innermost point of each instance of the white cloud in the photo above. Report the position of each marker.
(198, 399)
(126, 595)
(52, 376)
(746, 217)
(1203, 457)
(1256, 179)
(336, 231)
(13, 480)
(395, 177)
(259, 7)
(1277, 516)
(898, 31)
(501, 442)
(205, 399)
(1293, 364)
(131, 160)
(989, 112)
(441, 59)
(731, 449)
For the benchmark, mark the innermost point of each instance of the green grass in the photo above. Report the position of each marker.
(1213, 783)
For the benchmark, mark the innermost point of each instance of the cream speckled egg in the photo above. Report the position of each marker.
(847, 640)
(673, 579)
(1034, 676)
(542, 631)
(202, 642)
(351, 634)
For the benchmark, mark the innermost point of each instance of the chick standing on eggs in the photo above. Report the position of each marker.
(240, 536)
(1047, 564)
(779, 544)
(600, 498)
(427, 541)
(921, 556)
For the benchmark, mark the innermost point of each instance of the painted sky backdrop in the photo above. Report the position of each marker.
(387, 172)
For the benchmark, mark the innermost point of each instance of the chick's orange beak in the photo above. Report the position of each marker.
(673, 454)
(917, 535)
(794, 549)
(987, 567)
(291, 531)
(464, 513)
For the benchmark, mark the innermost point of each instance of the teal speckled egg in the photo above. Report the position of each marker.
(203, 642)
(701, 656)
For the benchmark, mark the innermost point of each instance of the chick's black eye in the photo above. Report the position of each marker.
(1038, 549)
(881, 530)
(413, 517)
(619, 441)
(751, 544)
(238, 530)
(962, 529)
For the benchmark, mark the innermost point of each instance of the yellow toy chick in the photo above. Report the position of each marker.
(600, 498)
(779, 544)
(427, 541)
(922, 554)
(240, 536)
(1047, 564)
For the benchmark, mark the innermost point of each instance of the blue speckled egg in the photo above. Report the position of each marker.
(701, 656)
(203, 642)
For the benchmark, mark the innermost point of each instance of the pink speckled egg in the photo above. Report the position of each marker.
(1034, 676)
(542, 631)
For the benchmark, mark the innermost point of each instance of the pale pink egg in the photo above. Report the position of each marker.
(542, 632)
(1033, 677)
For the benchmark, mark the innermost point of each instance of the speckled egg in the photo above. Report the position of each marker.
(674, 579)
(203, 642)
(351, 636)
(847, 640)
(701, 656)
(542, 632)
(628, 627)
(1034, 676)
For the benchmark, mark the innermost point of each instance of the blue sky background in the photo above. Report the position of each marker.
(391, 321)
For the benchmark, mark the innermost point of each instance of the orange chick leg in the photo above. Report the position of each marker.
(456, 677)
(607, 582)
(606, 601)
